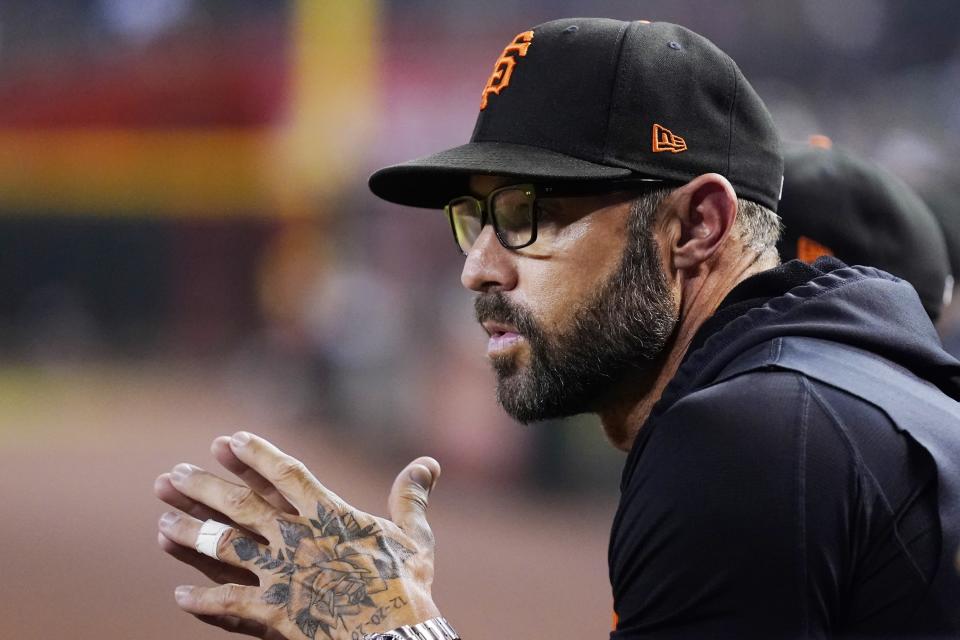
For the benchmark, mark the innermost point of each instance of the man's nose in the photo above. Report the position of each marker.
(489, 265)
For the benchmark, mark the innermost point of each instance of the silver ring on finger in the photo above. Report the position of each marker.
(208, 540)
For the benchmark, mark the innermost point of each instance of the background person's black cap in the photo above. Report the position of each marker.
(943, 198)
(597, 99)
(835, 203)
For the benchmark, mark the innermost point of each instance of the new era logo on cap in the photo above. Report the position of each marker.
(666, 140)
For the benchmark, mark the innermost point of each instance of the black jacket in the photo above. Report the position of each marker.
(801, 474)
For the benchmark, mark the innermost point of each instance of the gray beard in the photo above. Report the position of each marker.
(621, 330)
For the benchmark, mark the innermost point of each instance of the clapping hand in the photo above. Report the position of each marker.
(292, 558)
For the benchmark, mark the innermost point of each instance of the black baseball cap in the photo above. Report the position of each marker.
(587, 99)
(835, 203)
(943, 198)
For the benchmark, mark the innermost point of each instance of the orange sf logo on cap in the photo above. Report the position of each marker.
(503, 69)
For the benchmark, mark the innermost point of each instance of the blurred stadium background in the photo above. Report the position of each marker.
(187, 247)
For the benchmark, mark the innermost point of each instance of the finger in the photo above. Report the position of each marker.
(213, 569)
(224, 454)
(226, 600)
(163, 488)
(233, 547)
(286, 473)
(409, 498)
(239, 502)
(233, 624)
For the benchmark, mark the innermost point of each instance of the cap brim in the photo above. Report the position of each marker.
(436, 179)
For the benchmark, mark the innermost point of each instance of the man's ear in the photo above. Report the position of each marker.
(706, 209)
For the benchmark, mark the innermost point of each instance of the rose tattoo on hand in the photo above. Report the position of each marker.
(329, 576)
(335, 573)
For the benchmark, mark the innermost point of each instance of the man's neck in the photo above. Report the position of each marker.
(631, 403)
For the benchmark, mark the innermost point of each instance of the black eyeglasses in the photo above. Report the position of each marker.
(513, 209)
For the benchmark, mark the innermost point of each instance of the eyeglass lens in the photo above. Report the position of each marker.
(465, 218)
(512, 215)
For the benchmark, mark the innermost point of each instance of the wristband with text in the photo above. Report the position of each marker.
(432, 629)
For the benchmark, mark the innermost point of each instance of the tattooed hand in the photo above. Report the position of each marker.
(299, 561)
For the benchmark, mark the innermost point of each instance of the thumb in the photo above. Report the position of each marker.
(409, 497)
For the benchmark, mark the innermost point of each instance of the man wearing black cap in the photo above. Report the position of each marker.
(942, 195)
(793, 439)
(837, 204)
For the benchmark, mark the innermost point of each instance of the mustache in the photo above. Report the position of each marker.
(498, 308)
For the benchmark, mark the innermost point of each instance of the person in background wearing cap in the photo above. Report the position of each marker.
(942, 195)
(837, 204)
(793, 434)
